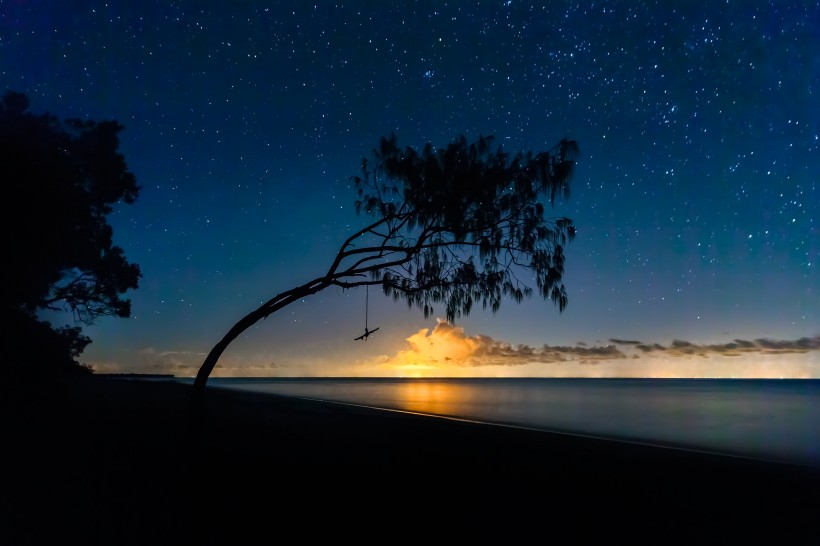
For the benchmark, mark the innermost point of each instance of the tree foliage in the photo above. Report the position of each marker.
(61, 180)
(455, 226)
(464, 223)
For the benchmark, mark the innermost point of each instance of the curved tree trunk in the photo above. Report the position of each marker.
(209, 364)
(210, 361)
(266, 309)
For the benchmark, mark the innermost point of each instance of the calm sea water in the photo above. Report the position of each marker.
(768, 419)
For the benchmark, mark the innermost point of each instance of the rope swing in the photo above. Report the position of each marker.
(367, 332)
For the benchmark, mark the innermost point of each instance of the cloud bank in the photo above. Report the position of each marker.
(446, 346)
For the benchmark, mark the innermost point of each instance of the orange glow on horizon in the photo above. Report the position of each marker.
(447, 351)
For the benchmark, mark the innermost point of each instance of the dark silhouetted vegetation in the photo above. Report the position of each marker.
(457, 226)
(61, 180)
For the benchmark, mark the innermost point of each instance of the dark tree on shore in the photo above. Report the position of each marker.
(61, 180)
(456, 226)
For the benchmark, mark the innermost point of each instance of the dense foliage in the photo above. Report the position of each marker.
(61, 180)
(460, 224)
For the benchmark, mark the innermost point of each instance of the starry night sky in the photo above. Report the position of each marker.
(695, 195)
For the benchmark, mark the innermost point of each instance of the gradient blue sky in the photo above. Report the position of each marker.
(695, 196)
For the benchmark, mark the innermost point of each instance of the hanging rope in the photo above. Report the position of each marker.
(367, 332)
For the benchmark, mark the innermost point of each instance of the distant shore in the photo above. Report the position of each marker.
(118, 460)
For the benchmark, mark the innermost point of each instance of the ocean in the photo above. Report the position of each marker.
(776, 420)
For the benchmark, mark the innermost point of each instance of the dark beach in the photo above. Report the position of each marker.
(107, 460)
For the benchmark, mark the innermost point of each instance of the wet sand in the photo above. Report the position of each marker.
(113, 461)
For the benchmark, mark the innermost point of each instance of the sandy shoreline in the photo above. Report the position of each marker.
(113, 461)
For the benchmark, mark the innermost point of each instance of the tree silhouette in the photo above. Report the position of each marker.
(456, 226)
(61, 182)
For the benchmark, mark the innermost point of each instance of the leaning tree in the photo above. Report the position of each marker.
(455, 226)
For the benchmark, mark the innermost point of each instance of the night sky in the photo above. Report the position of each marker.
(695, 196)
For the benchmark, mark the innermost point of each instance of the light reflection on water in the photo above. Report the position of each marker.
(770, 419)
(436, 398)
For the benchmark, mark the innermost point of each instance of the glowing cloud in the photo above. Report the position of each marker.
(447, 346)
(448, 350)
